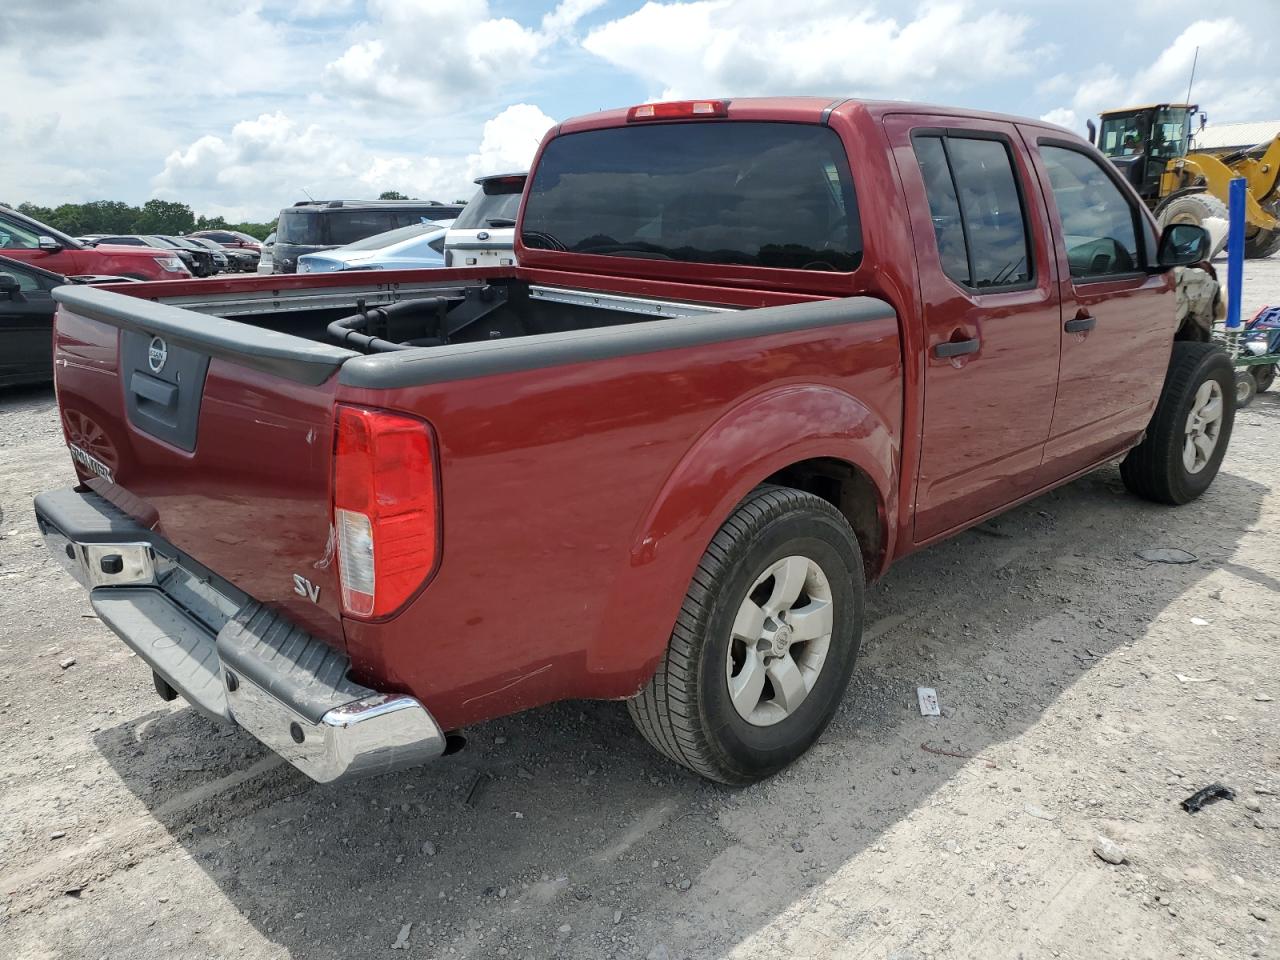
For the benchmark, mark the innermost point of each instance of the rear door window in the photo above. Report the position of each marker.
(743, 193)
(348, 225)
(944, 208)
(976, 207)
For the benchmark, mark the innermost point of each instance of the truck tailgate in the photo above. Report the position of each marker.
(216, 434)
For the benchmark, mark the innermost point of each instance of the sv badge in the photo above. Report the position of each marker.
(305, 588)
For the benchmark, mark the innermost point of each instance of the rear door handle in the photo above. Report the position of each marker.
(1082, 323)
(955, 348)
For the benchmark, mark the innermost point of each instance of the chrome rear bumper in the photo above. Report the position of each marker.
(376, 734)
(227, 655)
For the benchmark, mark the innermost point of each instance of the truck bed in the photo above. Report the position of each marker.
(268, 324)
(566, 407)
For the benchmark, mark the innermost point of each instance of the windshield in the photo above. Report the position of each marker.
(380, 240)
(1123, 135)
(1169, 133)
(485, 206)
(743, 193)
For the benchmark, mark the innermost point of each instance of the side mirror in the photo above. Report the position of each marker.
(1182, 244)
(1093, 132)
(48, 243)
(9, 284)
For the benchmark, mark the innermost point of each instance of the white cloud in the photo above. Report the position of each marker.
(510, 140)
(315, 9)
(723, 47)
(1062, 117)
(1225, 91)
(273, 159)
(426, 52)
(95, 120)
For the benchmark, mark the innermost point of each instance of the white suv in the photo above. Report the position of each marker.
(484, 235)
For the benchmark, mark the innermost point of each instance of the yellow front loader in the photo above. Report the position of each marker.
(1153, 147)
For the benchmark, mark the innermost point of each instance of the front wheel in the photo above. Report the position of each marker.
(1188, 436)
(764, 644)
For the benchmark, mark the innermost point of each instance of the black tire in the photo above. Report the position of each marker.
(685, 711)
(1155, 469)
(1264, 375)
(1263, 243)
(1246, 389)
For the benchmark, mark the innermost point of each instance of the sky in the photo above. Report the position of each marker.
(269, 101)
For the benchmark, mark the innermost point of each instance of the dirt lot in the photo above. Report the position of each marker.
(1084, 692)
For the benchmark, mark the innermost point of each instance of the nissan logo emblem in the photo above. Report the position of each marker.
(157, 354)
(482, 235)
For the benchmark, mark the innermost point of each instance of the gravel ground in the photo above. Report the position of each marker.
(1085, 692)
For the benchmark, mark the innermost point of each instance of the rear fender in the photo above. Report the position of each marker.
(753, 441)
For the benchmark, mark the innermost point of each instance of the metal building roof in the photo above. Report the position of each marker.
(1223, 136)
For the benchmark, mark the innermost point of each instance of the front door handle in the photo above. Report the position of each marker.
(1081, 323)
(955, 348)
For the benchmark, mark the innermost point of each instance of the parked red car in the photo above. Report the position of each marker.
(753, 352)
(38, 244)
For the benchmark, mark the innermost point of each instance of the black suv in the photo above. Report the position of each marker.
(312, 225)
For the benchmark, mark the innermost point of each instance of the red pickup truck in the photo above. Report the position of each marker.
(38, 244)
(753, 352)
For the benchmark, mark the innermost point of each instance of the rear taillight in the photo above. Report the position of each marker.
(678, 110)
(386, 507)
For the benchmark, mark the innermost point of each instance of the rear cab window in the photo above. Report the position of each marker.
(744, 193)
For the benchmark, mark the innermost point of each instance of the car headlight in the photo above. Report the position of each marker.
(172, 264)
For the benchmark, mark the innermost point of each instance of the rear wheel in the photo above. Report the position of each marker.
(1264, 375)
(1246, 388)
(765, 642)
(1188, 436)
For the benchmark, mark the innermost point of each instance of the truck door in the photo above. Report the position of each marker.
(1117, 319)
(989, 294)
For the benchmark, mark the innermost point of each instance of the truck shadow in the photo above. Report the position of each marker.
(551, 823)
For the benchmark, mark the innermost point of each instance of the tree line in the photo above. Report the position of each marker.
(154, 216)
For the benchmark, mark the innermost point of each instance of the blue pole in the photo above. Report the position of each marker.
(1235, 250)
